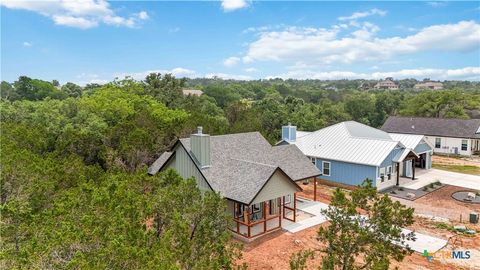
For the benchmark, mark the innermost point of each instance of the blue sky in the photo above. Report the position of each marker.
(96, 41)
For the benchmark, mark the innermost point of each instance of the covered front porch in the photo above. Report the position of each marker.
(251, 221)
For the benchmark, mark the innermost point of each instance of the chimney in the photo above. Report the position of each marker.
(289, 133)
(200, 147)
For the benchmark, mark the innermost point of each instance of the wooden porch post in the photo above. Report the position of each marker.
(248, 220)
(315, 189)
(280, 211)
(236, 208)
(294, 206)
(398, 174)
(265, 216)
(413, 169)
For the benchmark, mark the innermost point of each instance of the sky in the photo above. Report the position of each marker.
(95, 41)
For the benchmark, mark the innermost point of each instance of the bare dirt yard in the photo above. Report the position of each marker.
(273, 251)
(444, 160)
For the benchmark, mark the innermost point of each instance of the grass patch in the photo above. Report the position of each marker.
(468, 169)
(444, 226)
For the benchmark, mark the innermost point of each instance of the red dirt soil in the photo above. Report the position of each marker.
(273, 251)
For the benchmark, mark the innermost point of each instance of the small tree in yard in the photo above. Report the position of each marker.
(363, 230)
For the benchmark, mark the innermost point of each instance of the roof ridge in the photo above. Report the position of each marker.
(433, 118)
(255, 162)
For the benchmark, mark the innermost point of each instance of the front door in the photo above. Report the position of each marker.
(408, 168)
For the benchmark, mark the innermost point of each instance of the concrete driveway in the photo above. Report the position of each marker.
(426, 177)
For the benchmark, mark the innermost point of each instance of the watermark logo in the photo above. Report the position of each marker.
(447, 254)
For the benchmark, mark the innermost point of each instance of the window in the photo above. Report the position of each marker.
(256, 208)
(389, 172)
(438, 142)
(382, 174)
(313, 160)
(326, 168)
(239, 210)
(464, 145)
(287, 199)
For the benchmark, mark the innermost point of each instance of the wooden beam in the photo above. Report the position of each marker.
(398, 174)
(294, 206)
(265, 216)
(248, 221)
(413, 169)
(315, 189)
(280, 211)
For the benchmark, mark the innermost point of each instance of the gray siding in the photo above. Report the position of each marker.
(278, 185)
(184, 165)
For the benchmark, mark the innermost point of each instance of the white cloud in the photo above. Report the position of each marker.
(321, 46)
(359, 15)
(467, 73)
(27, 44)
(81, 14)
(143, 15)
(78, 22)
(251, 69)
(231, 61)
(230, 5)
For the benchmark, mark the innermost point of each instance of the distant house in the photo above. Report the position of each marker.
(192, 92)
(349, 152)
(448, 136)
(388, 83)
(427, 84)
(257, 179)
(365, 86)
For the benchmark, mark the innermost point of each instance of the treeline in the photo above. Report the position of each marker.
(75, 193)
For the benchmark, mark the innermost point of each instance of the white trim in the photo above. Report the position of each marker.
(329, 168)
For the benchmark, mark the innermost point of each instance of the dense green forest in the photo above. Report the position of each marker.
(75, 193)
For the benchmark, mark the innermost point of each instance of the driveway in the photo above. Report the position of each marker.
(422, 242)
(426, 177)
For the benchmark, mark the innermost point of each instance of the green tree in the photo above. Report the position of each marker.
(166, 88)
(364, 227)
(72, 90)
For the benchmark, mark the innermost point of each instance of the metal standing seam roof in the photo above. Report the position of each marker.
(242, 163)
(409, 140)
(349, 141)
(457, 128)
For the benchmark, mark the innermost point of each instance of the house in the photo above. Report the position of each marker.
(192, 92)
(388, 83)
(448, 136)
(349, 152)
(258, 180)
(429, 85)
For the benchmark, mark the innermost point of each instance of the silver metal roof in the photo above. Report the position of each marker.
(349, 142)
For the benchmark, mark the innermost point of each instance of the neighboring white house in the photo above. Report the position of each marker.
(447, 136)
(388, 83)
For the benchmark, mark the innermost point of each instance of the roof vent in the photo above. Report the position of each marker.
(413, 126)
(199, 130)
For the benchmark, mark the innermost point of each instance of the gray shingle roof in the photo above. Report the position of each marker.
(242, 163)
(459, 128)
(155, 167)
